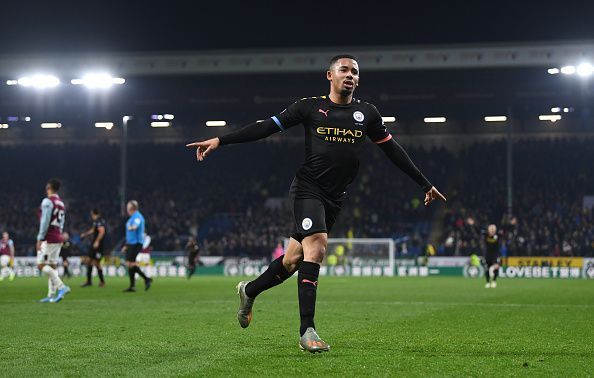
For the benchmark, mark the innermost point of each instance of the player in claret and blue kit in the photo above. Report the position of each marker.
(49, 241)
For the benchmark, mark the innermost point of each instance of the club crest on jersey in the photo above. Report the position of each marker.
(358, 116)
(306, 224)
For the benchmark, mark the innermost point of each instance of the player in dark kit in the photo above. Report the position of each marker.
(336, 127)
(492, 259)
(65, 253)
(193, 252)
(97, 249)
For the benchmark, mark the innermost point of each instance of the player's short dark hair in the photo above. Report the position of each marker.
(336, 58)
(95, 211)
(54, 184)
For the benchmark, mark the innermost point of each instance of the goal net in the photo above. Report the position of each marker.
(358, 257)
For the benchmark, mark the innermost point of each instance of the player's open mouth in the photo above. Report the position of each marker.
(348, 84)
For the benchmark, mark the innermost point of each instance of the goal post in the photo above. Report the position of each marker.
(358, 257)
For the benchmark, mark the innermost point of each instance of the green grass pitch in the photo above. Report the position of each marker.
(437, 326)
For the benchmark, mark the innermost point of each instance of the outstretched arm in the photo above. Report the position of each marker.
(249, 133)
(400, 158)
(293, 115)
(87, 233)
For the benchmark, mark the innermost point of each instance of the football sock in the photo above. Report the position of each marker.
(131, 273)
(488, 275)
(495, 274)
(100, 274)
(140, 273)
(51, 290)
(307, 285)
(89, 273)
(192, 271)
(53, 275)
(492, 272)
(274, 275)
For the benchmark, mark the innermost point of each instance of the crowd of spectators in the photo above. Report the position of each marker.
(235, 201)
(548, 217)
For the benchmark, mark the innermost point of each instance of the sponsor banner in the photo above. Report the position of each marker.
(528, 272)
(540, 272)
(360, 267)
(473, 271)
(356, 270)
(207, 261)
(571, 262)
(244, 266)
(448, 261)
(404, 261)
(27, 267)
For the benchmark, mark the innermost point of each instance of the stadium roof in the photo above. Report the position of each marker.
(304, 60)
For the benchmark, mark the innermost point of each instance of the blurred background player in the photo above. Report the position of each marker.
(65, 253)
(6, 257)
(193, 253)
(491, 256)
(134, 239)
(97, 248)
(50, 239)
(144, 257)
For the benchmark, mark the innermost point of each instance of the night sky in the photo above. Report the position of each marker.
(98, 26)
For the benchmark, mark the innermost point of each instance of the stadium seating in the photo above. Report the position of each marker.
(234, 201)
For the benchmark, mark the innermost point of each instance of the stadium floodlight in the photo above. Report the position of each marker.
(434, 119)
(39, 81)
(160, 117)
(495, 118)
(556, 109)
(51, 125)
(553, 71)
(389, 119)
(26, 119)
(98, 80)
(105, 125)
(584, 69)
(216, 123)
(568, 70)
(549, 117)
(3, 125)
(160, 124)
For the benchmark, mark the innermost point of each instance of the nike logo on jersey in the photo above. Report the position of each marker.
(315, 283)
(324, 112)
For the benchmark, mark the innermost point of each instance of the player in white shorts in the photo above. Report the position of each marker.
(144, 257)
(6, 257)
(49, 241)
